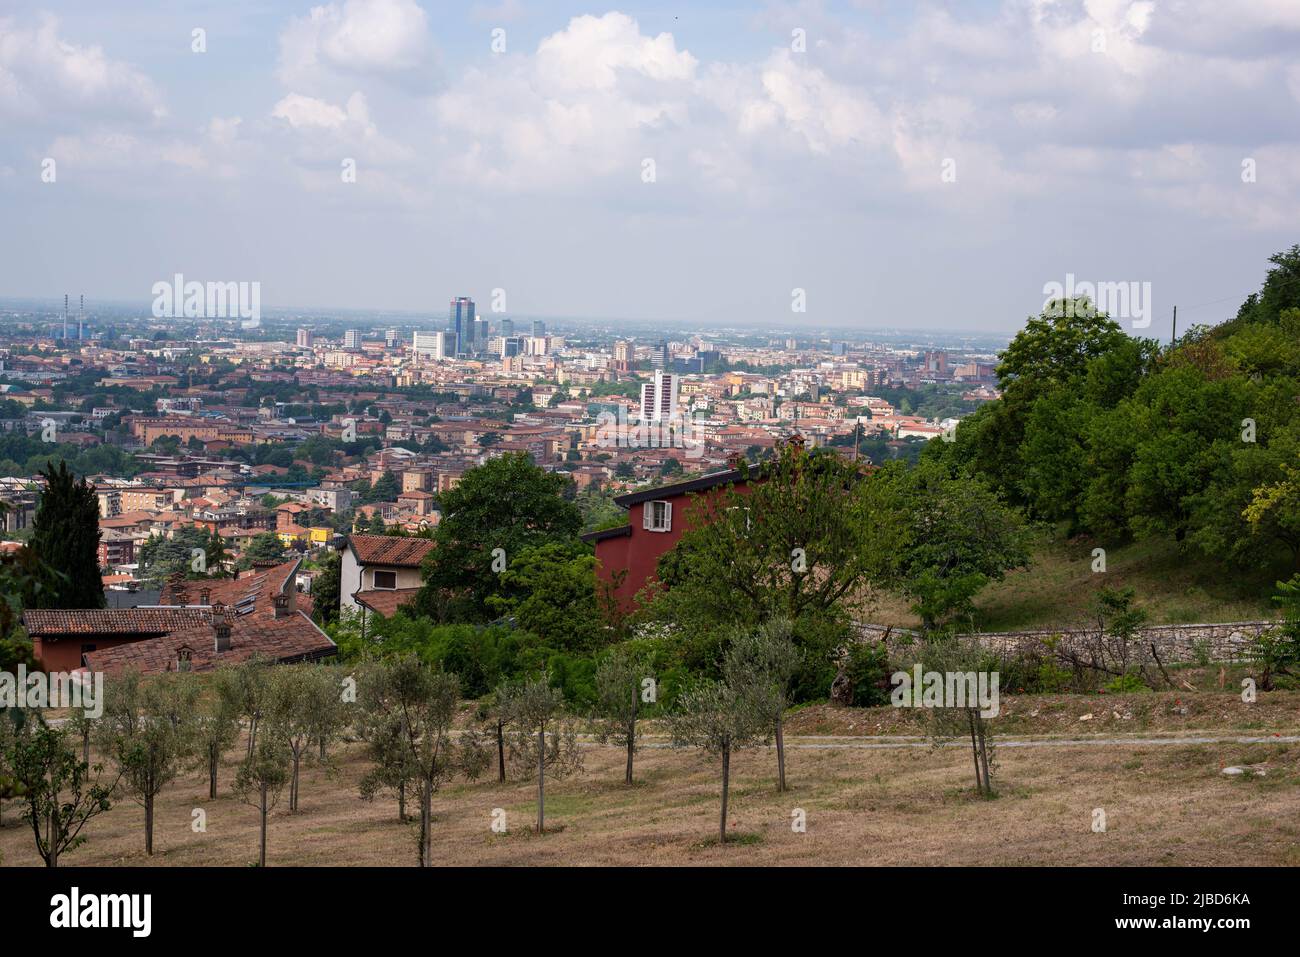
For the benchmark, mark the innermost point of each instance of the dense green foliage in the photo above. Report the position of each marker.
(490, 518)
(1117, 437)
(66, 537)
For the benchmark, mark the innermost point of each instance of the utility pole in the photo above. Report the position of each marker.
(1174, 337)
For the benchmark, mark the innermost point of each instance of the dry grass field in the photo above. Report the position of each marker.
(1165, 804)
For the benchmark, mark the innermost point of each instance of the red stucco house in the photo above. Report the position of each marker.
(627, 556)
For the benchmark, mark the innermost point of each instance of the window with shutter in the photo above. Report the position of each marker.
(658, 516)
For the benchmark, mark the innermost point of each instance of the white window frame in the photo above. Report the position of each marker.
(374, 581)
(648, 516)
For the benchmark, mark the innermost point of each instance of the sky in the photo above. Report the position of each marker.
(928, 165)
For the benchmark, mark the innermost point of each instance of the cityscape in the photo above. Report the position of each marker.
(769, 437)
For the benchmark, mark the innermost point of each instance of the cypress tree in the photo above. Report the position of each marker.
(65, 535)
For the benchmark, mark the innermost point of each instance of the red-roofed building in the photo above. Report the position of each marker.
(196, 626)
(380, 563)
(627, 556)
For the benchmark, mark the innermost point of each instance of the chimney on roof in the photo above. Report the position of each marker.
(281, 602)
(205, 595)
(734, 460)
(220, 628)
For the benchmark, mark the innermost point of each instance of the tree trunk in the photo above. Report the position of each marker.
(501, 751)
(401, 801)
(262, 859)
(541, 781)
(984, 760)
(726, 783)
(322, 748)
(85, 745)
(631, 735)
(212, 771)
(293, 784)
(780, 753)
(426, 824)
(975, 753)
(148, 825)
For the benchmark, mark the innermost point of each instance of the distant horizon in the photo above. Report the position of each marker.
(379, 317)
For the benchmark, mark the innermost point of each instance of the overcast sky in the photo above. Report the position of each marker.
(907, 164)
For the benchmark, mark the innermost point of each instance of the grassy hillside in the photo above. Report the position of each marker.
(1056, 591)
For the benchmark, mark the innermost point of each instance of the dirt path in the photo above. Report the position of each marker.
(886, 742)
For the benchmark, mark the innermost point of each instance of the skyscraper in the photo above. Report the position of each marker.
(460, 320)
(624, 353)
(507, 328)
(659, 355)
(539, 328)
(659, 397)
(305, 338)
(352, 339)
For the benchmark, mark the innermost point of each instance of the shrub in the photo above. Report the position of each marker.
(1127, 684)
(868, 670)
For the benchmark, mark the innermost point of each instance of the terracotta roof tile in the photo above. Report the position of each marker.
(386, 601)
(291, 638)
(109, 621)
(168, 628)
(390, 550)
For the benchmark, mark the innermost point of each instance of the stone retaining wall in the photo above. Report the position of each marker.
(1226, 641)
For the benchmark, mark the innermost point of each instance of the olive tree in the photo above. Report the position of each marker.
(965, 661)
(619, 678)
(82, 726)
(248, 685)
(392, 769)
(261, 779)
(493, 709)
(534, 709)
(216, 729)
(288, 707)
(58, 793)
(175, 697)
(718, 717)
(329, 707)
(420, 706)
(763, 662)
(146, 738)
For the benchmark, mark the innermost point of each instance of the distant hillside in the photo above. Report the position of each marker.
(1173, 587)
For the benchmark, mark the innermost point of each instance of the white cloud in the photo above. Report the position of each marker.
(308, 112)
(41, 75)
(593, 52)
(826, 114)
(324, 133)
(1015, 95)
(356, 37)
